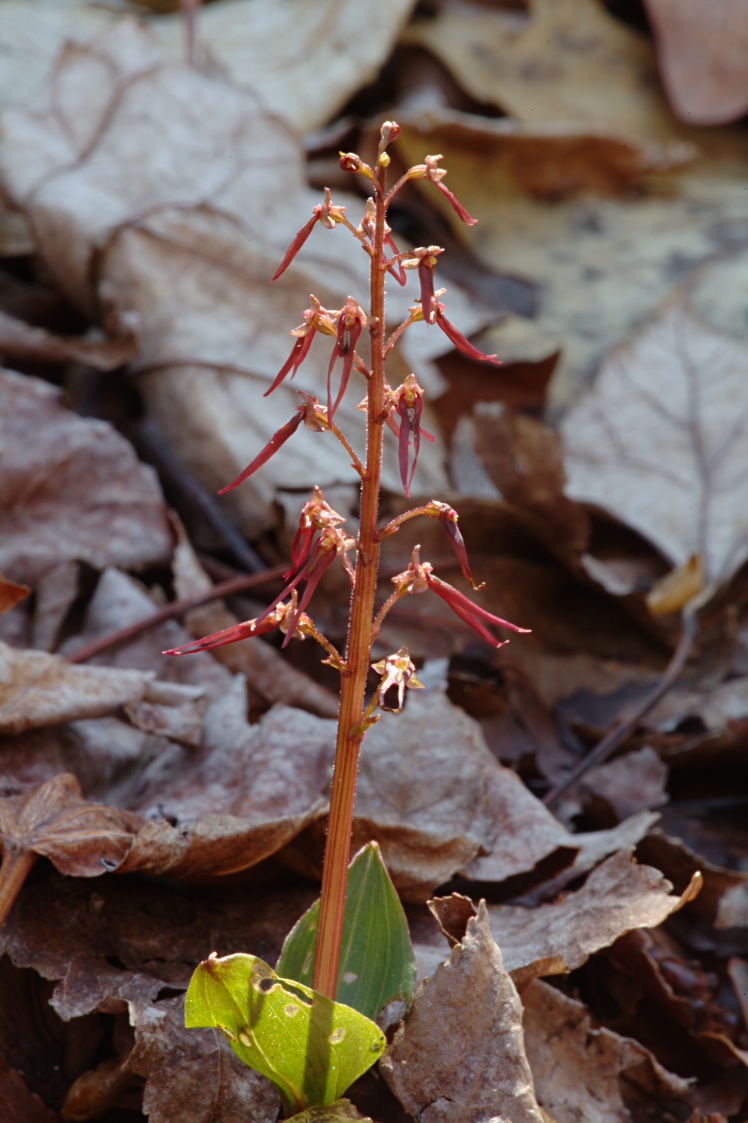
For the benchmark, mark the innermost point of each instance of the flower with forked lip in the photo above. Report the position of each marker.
(332, 543)
(351, 321)
(424, 260)
(315, 515)
(316, 318)
(448, 517)
(419, 577)
(408, 403)
(397, 671)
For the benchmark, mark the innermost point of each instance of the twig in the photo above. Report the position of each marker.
(173, 611)
(618, 733)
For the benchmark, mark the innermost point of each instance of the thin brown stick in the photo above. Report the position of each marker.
(619, 732)
(173, 611)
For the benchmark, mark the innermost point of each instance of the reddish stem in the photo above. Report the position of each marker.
(358, 648)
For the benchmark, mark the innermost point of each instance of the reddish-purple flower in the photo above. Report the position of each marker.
(310, 412)
(330, 544)
(408, 403)
(325, 213)
(397, 671)
(419, 576)
(424, 260)
(430, 170)
(316, 318)
(315, 515)
(448, 517)
(453, 334)
(351, 321)
(244, 630)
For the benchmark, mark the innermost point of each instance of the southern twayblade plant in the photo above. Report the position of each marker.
(322, 539)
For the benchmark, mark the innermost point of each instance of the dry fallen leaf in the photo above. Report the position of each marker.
(477, 1071)
(543, 65)
(38, 689)
(305, 61)
(19, 340)
(582, 1072)
(701, 51)
(191, 1075)
(581, 245)
(659, 440)
(71, 488)
(199, 226)
(242, 796)
(551, 939)
(81, 839)
(628, 784)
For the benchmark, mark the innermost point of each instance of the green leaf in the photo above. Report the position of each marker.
(376, 958)
(311, 1047)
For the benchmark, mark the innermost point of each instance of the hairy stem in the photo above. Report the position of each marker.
(358, 647)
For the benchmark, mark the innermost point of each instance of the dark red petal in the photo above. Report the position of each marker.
(461, 212)
(456, 337)
(227, 635)
(323, 561)
(276, 441)
(462, 604)
(295, 246)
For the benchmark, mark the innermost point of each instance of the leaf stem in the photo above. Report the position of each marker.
(13, 872)
(358, 647)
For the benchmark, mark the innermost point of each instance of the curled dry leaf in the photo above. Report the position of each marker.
(38, 689)
(81, 839)
(659, 441)
(551, 939)
(477, 1071)
(71, 488)
(701, 52)
(555, 159)
(584, 1072)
